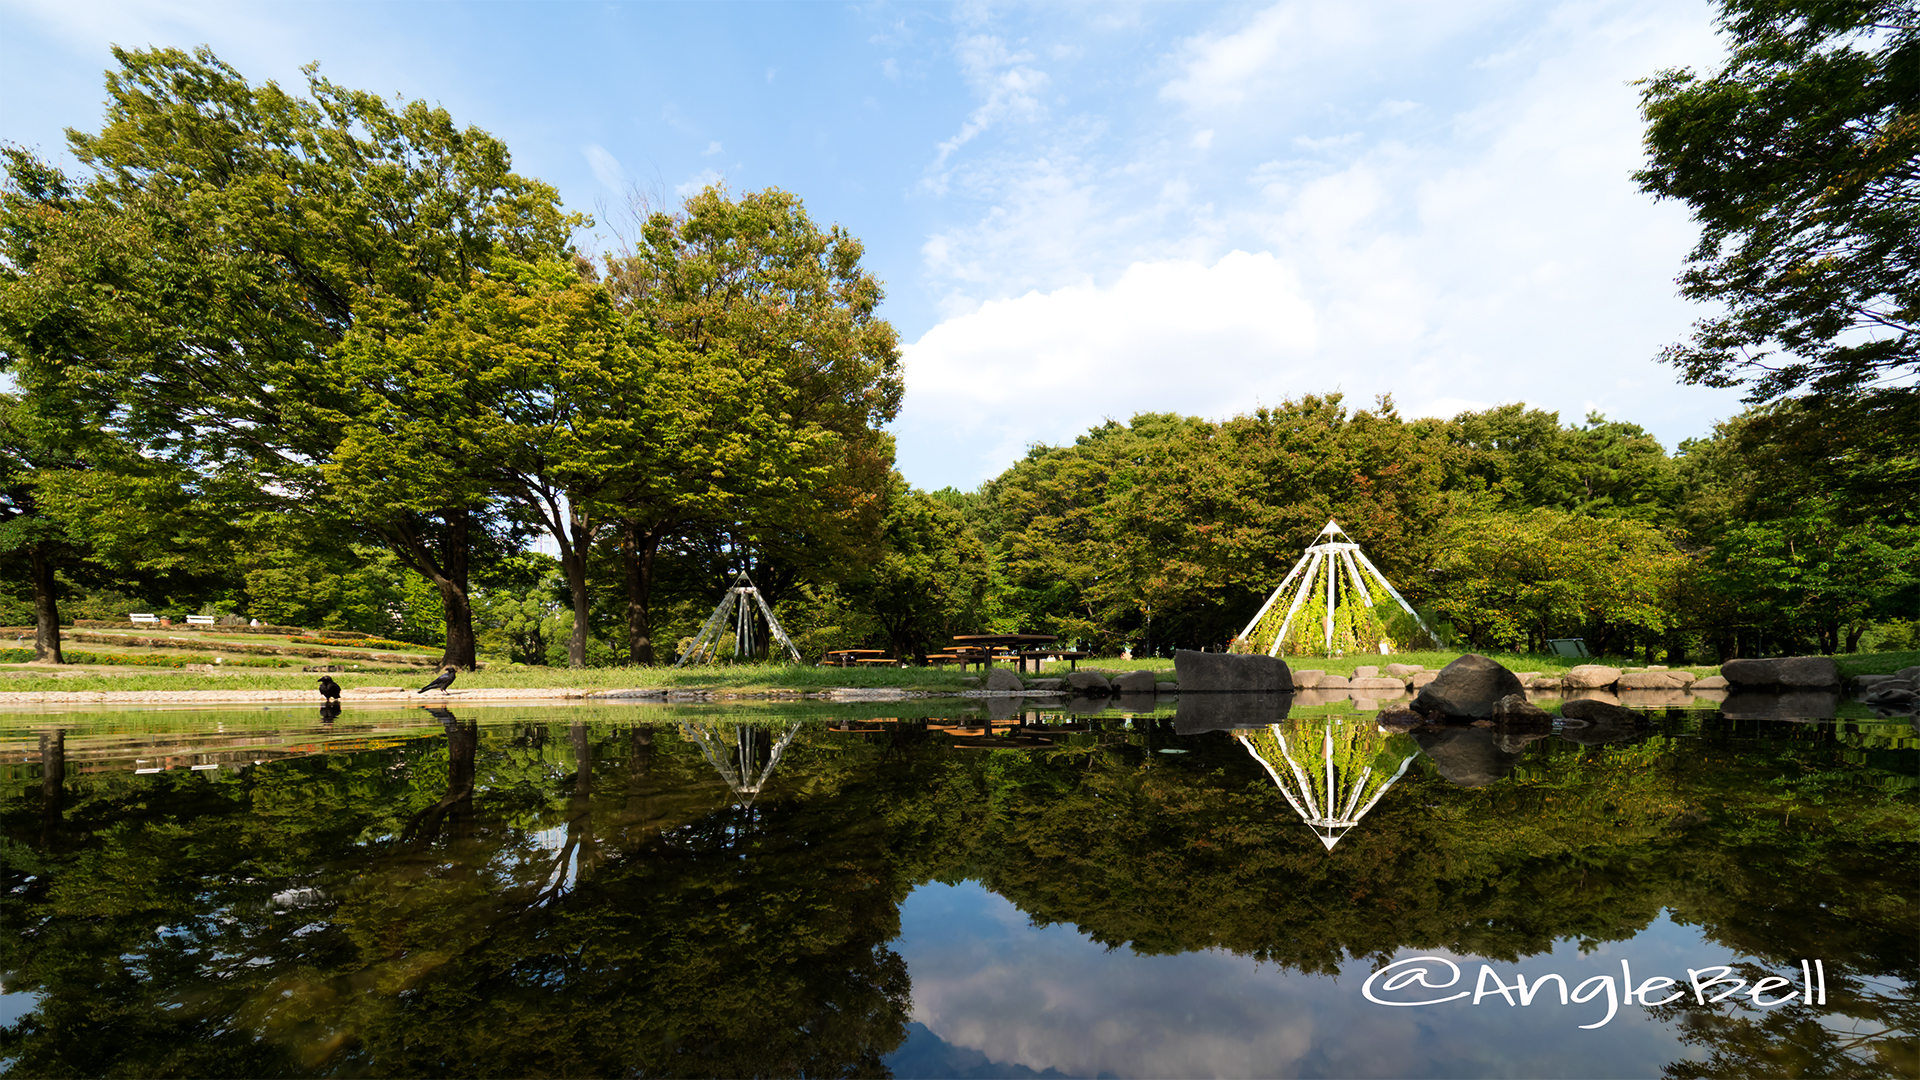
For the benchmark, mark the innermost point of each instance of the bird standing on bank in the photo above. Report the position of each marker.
(329, 689)
(440, 682)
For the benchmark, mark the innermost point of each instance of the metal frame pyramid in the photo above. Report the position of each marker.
(1332, 556)
(706, 646)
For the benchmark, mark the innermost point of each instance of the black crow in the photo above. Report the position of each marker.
(329, 690)
(440, 682)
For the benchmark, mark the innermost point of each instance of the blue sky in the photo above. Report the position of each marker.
(1081, 211)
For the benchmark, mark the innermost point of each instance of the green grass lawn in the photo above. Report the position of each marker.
(756, 677)
(759, 677)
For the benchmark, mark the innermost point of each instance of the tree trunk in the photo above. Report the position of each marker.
(576, 570)
(448, 573)
(46, 610)
(638, 548)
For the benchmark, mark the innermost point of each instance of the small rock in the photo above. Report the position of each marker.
(1045, 684)
(1422, 678)
(1591, 677)
(1649, 680)
(1711, 682)
(1545, 682)
(1366, 671)
(1516, 709)
(1002, 680)
(1334, 682)
(969, 680)
(1308, 679)
(1091, 683)
(1401, 671)
(1134, 682)
(1373, 683)
(1166, 688)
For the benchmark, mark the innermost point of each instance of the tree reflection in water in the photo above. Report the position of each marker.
(601, 896)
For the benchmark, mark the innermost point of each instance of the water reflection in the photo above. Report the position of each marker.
(744, 755)
(634, 890)
(1354, 763)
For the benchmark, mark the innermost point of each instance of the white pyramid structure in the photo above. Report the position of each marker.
(1326, 794)
(1333, 569)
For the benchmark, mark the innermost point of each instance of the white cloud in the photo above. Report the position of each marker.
(1497, 252)
(703, 179)
(712, 149)
(606, 168)
(1171, 335)
(1009, 85)
(1202, 139)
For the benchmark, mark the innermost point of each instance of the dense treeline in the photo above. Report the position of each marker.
(327, 360)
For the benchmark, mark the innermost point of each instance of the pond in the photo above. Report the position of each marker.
(801, 889)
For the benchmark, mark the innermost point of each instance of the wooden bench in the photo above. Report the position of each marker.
(1072, 658)
(143, 617)
(202, 620)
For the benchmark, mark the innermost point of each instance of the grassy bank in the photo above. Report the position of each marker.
(760, 677)
(512, 677)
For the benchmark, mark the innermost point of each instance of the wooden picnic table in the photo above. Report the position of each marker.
(849, 657)
(989, 642)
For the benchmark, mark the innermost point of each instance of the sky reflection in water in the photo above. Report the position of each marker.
(1041, 998)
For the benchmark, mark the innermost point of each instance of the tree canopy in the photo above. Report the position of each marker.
(1800, 159)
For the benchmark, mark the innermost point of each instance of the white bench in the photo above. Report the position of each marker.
(143, 618)
(201, 620)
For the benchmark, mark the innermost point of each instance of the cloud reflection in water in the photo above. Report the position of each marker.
(1049, 998)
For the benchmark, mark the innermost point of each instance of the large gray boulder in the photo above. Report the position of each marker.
(1213, 672)
(1134, 682)
(1002, 681)
(1789, 671)
(1469, 757)
(1468, 687)
(1089, 683)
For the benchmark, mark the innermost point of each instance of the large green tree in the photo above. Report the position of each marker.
(1800, 159)
(756, 277)
(194, 288)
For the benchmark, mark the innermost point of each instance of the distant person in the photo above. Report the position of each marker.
(329, 690)
(255, 622)
(440, 683)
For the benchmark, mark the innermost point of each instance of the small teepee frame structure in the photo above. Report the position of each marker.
(1332, 557)
(1331, 805)
(736, 608)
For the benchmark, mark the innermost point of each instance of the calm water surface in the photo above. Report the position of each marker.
(814, 890)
